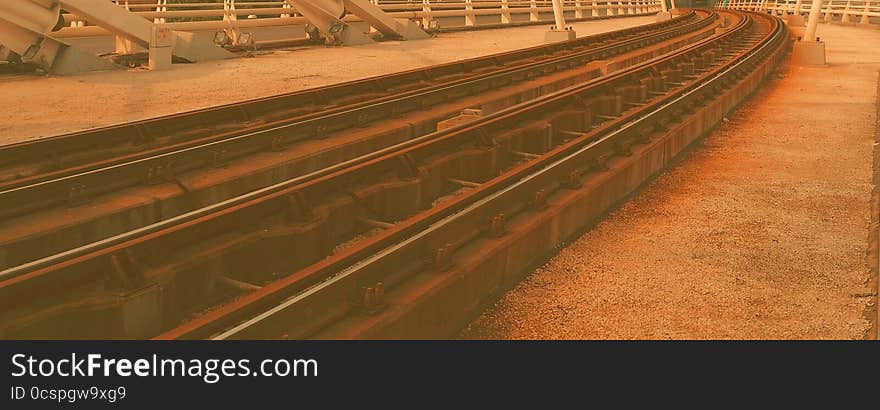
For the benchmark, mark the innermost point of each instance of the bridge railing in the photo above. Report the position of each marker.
(186, 16)
(843, 11)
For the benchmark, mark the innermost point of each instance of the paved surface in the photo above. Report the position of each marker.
(761, 232)
(56, 105)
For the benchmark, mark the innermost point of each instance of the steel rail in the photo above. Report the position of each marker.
(539, 173)
(425, 222)
(232, 112)
(326, 175)
(46, 189)
(61, 258)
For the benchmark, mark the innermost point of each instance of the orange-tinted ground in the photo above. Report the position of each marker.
(760, 232)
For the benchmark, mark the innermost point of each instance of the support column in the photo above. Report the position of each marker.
(664, 13)
(796, 21)
(505, 12)
(160, 47)
(121, 44)
(470, 19)
(829, 12)
(559, 32)
(428, 15)
(810, 51)
(845, 18)
(865, 20)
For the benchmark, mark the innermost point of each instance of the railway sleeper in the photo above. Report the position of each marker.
(200, 286)
(435, 304)
(198, 273)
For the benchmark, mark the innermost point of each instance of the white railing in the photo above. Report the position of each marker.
(844, 11)
(195, 16)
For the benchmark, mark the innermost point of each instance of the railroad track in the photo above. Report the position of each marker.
(70, 158)
(120, 178)
(350, 250)
(408, 280)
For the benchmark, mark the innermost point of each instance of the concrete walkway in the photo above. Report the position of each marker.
(761, 232)
(38, 107)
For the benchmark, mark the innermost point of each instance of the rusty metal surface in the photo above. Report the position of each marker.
(139, 195)
(295, 316)
(55, 170)
(320, 248)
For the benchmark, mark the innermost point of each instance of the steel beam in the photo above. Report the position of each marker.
(403, 29)
(114, 18)
(53, 55)
(326, 17)
(32, 16)
(138, 30)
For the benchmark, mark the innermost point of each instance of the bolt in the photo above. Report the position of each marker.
(497, 225)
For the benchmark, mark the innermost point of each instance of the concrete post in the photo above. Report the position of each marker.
(559, 32)
(865, 20)
(470, 19)
(427, 14)
(664, 13)
(505, 12)
(595, 12)
(231, 18)
(813, 20)
(809, 51)
(122, 44)
(160, 47)
(845, 18)
(795, 19)
(558, 15)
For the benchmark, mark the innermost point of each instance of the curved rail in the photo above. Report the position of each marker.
(613, 133)
(472, 209)
(163, 147)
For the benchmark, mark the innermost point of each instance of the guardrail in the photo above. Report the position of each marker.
(468, 13)
(843, 11)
